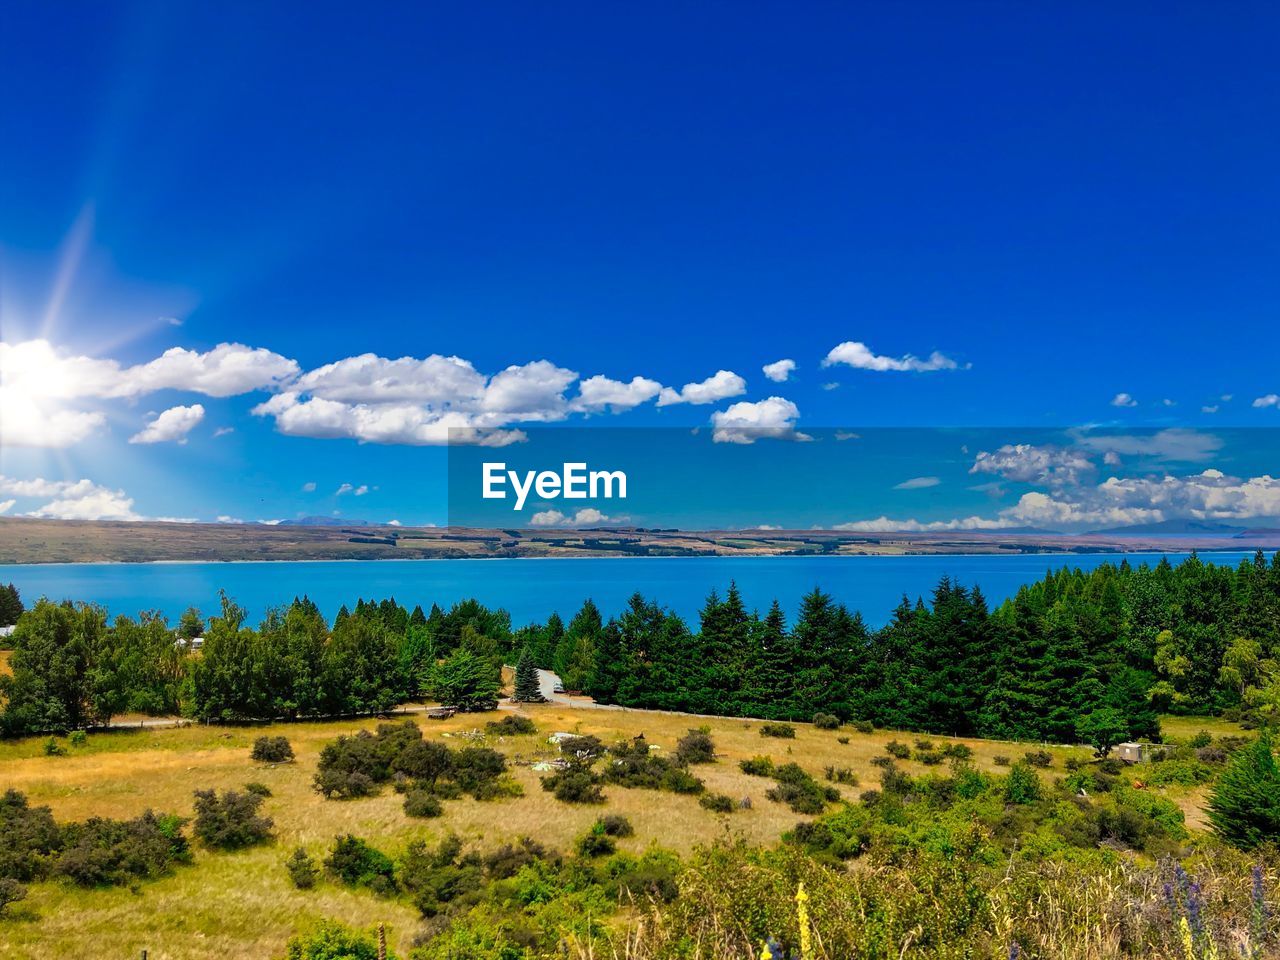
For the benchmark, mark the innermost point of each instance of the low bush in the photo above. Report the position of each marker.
(897, 750)
(101, 852)
(958, 751)
(696, 747)
(1022, 786)
(717, 802)
(615, 825)
(355, 863)
(230, 821)
(1000, 760)
(783, 731)
(422, 803)
(1184, 773)
(11, 891)
(826, 721)
(301, 869)
(757, 766)
(842, 740)
(632, 763)
(272, 750)
(1038, 758)
(596, 843)
(512, 725)
(863, 726)
(442, 877)
(258, 789)
(52, 748)
(331, 940)
(574, 784)
(841, 775)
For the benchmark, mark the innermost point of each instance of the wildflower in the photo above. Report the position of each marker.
(802, 915)
(1015, 950)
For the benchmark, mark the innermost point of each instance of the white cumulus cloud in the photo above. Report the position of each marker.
(780, 370)
(1123, 400)
(172, 425)
(747, 422)
(719, 386)
(853, 353)
(598, 393)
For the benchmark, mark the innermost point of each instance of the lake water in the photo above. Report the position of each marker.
(531, 589)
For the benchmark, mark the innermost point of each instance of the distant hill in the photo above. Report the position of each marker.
(330, 522)
(1259, 533)
(1177, 528)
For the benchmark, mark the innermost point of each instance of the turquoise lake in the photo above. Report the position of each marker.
(531, 589)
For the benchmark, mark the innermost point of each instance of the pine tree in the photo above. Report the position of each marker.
(527, 687)
(1244, 807)
(10, 605)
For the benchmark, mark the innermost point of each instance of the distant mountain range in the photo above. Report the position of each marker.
(1194, 528)
(329, 522)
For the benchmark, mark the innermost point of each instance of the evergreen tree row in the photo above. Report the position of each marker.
(1110, 648)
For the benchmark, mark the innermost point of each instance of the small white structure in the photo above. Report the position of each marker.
(7, 631)
(195, 643)
(1134, 752)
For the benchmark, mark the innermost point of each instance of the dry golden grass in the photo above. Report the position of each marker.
(241, 905)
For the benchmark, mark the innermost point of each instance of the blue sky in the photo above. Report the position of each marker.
(1066, 203)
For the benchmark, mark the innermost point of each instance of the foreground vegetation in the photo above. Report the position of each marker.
(959, 848)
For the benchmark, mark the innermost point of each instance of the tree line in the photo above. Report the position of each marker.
(1108, 648)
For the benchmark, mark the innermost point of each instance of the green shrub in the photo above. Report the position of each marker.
(930, 758)
(302, 869)
(1201, 739)
(783, 731)
(842, 740)
(1022, 785)
(958, 751)
(596, 843)
(696, 747)
(1000, 760)
(512, 725)
(331, 940)
(574, 784)
(272, 750)
(355, 863)
(52, 748)
(230, 821)
(717, 802)
(1038, 758)
(422, 803)
(897, 750)
(864, 726)
(826, 721)
(101, 852)
(258, 789)
(77, 738)
(1184, 773)
(11, 891)
(615, 825)
(757, 767)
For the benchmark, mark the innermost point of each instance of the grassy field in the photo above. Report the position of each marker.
(241, 905)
